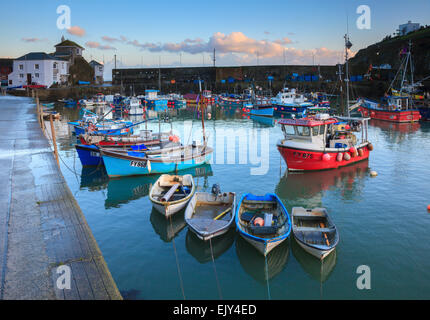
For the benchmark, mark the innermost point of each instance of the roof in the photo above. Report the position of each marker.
(307, 122)
(68, 43)
(37, 56)
(96, 63)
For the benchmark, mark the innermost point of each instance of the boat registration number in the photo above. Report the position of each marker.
(302, 155)
(139, 164)
(95, 154)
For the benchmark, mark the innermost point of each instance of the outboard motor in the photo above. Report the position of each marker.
(216, 190)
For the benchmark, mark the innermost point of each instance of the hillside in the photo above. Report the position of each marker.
(388, 52)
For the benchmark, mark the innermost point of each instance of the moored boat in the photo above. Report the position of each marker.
(323, 142)
(390, 108)
(314, 231)
(119, 163)
(210, 215)
(171, 193)
(263, 221)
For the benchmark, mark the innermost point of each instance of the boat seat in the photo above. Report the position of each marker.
(257, 230)
(309, 229)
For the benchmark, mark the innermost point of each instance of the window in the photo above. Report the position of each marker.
(315, 130)
(36, 75)
(100, 69)
(36, 66)
(303, 131)
(288, 129)
(21, 67)
(21, 75)
(55, 65)
(322, 129)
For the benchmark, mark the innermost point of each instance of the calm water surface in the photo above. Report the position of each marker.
(383, 221)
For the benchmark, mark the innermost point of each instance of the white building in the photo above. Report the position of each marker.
(408, 27)
(98, 71)
(38, 68)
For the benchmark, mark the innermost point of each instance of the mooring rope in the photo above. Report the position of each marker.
(216, 274)
(267, 278)
(177, 260)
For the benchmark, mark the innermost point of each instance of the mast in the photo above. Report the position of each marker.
(348, 46)
(201, 107)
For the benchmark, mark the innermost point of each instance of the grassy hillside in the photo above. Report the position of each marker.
(388, 52)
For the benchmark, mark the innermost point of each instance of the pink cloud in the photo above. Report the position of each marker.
(34, 39)
(97, 45)
(76, 31)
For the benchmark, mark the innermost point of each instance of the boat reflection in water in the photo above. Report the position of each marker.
(94, 178)
(319, 270)
(126, 189)
(307, 189)
(254, 262)
(167, 229)
(201, 250)
(406, 127)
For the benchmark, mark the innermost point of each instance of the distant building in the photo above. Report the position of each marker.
(38, 68)
(407, 28)
(98, 71)
(6, 67)
(68, 50)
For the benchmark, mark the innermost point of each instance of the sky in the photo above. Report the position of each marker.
(144, 33)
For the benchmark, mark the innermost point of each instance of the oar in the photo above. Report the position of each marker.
(325, 235)
(222, 214)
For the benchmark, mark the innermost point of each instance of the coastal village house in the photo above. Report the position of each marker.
(38, 68)
(5, 69)
(407, 28)
(98, 71)
(68, 50)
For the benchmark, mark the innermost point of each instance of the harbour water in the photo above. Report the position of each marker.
(383, 221)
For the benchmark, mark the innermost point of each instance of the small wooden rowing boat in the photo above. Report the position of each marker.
(263, 221)
(314, 231)
(210, 215)
(171, 193)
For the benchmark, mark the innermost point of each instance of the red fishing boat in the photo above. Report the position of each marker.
(322, 142)
(399, 107)
(391, 108)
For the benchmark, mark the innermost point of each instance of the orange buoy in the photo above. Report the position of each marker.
(339, 156)
(259, 221)
(347, 156)
(347, 127)
(353, 152)
(370, 146)
(326, 157)
(360, 152)
(428, 207)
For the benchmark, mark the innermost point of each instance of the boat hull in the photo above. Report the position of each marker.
(319, 254)
(171, 209)
(89, 155)
(392, 116)
(308, 160)
(280, 110)
(119, 167)
(264, 247)
(262, 112)
(425, 113)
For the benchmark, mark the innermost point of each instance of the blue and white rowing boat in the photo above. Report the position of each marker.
(263, 221)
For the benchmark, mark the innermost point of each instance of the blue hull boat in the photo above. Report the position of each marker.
(289, 109)
(266, 111)
(89, 155)
(119, 164)
(263, 221)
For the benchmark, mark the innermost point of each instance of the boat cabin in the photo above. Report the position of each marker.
(325, 131)
(287, 96)
(395, 103)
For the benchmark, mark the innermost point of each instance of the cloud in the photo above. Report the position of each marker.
(76, 31)
(96, 45)
(112, 40)
(236, 47)
(266, 32)
(34, 39)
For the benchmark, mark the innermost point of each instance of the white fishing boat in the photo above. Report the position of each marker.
(171, 193)
(314, 231)
(210, 215)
